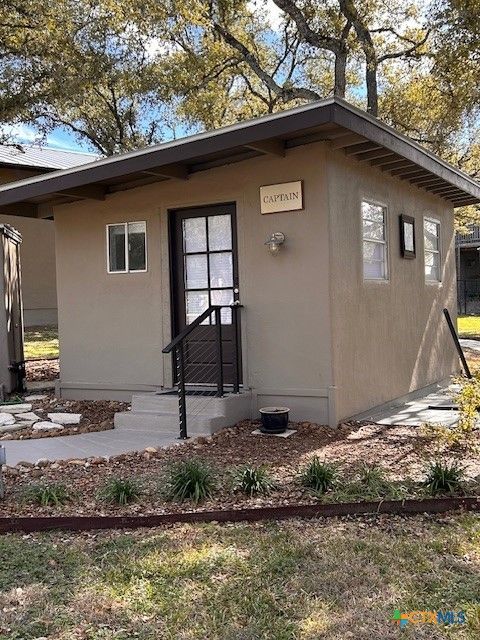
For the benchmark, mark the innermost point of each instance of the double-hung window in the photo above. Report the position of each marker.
(431, 242)
(127, 247)
(374, 234)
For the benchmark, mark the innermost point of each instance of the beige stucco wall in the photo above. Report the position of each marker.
(37, 253)
(389, 338)
(113, 326)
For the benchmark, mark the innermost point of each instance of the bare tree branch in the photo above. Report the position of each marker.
(285, 93)
(338, 46)
(405, 53)
(318, 40)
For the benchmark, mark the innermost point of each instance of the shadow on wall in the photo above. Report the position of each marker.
(436, 337)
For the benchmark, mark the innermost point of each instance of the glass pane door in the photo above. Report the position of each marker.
(207, 265)
(204, 273)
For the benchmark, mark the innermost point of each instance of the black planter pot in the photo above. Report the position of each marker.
(274, 419)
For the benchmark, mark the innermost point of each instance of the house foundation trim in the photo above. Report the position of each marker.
(96, 391)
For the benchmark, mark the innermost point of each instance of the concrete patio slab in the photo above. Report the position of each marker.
(86, 445)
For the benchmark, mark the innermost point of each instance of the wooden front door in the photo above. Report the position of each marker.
(204, 273)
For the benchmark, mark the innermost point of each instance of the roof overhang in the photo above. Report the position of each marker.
(345, 127)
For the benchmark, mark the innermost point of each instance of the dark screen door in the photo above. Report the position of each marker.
(204, 251)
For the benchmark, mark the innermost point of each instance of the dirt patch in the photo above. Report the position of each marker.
(97, 415)
(401, 451)
(42, 370)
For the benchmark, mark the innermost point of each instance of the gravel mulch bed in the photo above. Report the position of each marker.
(399, 450)
(97, 415)
(42, 370)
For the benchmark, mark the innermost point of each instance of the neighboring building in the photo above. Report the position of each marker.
(467, 246)
(346, 317)
(38, 236)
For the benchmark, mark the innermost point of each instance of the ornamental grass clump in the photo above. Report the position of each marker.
(372, 477)
(374, 485)
(444, 478)
(369, 483)
(47, 494)
(319, 476)
(253, 481)
(121, 491)
(190, 480)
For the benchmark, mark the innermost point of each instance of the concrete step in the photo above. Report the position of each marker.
(167, 423)
(167, 402)
(204, 414)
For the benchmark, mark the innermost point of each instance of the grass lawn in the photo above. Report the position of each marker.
(41, 342)
(468, 326)
(297, 580)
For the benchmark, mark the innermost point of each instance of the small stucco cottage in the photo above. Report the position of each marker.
(333, 231)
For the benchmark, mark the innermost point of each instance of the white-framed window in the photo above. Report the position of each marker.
(431, 243)
(374, 241)
(127, 247)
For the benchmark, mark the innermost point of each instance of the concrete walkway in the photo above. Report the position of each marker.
(86, 445)
(416, 412)
(474, 345)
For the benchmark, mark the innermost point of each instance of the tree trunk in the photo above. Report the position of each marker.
(340, 74)
(372, 85)
(364, 36)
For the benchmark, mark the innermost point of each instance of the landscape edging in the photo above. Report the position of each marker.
(87, 523)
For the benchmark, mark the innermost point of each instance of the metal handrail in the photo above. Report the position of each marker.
(188, 329)
(177, 346)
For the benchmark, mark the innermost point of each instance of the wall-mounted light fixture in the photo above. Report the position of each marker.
(274, 242)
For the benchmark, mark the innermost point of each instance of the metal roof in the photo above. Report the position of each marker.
(345, 129)
(36, 157)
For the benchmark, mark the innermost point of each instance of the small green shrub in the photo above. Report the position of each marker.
(319, 476)
(121, 490)
(47, 494)
(253, 481)
(444, 477)
(190, 480)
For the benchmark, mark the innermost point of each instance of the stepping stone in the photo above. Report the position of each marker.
(65, 418)
(35, 397)
(10, 428)
(29, 416)
(15, 408)
(6, 418)
(47, 426)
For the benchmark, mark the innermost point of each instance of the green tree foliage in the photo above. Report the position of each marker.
(125, 75)
(84, 65)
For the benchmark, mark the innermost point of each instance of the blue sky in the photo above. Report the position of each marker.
(57, 139)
